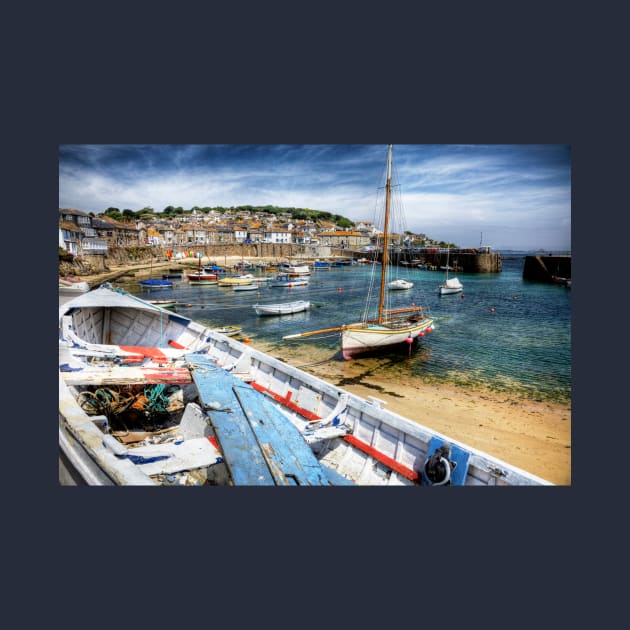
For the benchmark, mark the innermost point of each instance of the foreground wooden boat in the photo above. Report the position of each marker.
(148, 397)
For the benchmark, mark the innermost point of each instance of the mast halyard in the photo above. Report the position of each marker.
(388, 191)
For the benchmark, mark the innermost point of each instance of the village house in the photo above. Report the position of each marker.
(118, 234)
(277, 235)
(85, 240)
(344, 238)
(70, 237)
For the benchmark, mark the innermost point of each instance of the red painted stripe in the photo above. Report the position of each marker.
(408, 473)
(146, 351)
(214, 442)
(286, 401)
(134, 358)
(167, 375)
(174, 344)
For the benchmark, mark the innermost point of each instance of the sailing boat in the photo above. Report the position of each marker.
(450, 285)
(391, 327)
(153, 283)
(201, 276)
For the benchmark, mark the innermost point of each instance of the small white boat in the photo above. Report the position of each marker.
(246, 287)
(230, 331)
(72, 287)
(286, 308)
(399, 285)
(451, 285)
(295, 270)
(284, 280)
(187, 405)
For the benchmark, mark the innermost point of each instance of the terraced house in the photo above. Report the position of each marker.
(77, 233)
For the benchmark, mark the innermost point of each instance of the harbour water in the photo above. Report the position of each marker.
(502, 333)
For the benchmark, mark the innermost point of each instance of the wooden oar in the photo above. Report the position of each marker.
(314, 332)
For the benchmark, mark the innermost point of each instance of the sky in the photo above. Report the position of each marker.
(507, 196)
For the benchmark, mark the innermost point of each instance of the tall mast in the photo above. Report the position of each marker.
(388, 193)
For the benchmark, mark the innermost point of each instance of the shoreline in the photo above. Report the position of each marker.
(532, 435)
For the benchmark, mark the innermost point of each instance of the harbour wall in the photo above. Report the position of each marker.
(461, 261)
(545, 268)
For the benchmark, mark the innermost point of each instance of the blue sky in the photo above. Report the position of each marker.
(517, 196)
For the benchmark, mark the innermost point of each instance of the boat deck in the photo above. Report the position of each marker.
(260, 444)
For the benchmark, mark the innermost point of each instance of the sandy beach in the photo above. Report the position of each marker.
(532, 435)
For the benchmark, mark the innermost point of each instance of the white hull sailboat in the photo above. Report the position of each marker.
(450, 285)
(390, 328)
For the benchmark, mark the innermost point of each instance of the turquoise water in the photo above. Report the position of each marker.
(522, 348)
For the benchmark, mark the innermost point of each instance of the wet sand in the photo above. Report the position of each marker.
(532, 435)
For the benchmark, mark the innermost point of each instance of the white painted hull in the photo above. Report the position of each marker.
(400, 285)
(281, 309)
(367, 339)
(355, 440)
(448, 290)
(73, 288)
(246, 287)
(296, 270)
(290, 283)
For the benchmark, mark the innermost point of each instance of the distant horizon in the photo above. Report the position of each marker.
(510, 197)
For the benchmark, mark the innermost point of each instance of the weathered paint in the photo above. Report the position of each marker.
(260, 445)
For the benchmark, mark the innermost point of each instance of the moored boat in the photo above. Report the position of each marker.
(148, 397)
(254, 286)
(229, 281)
(450, 285)
(285, 308)
(295, 270)
(390, 328)
(399, 285)
(154, 283)
(285, 280)
(72, 286)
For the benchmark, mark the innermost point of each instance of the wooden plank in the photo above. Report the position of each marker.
(258, 441)
(286, 401)
(241, 452)
(291, 460)
(127, 376)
